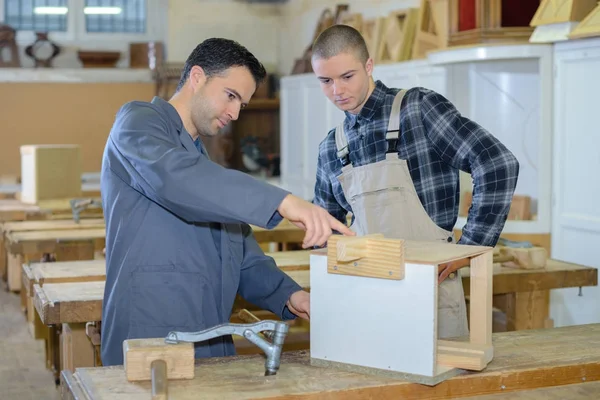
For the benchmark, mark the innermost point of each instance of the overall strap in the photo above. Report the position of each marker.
(392, 135)
(341, 143)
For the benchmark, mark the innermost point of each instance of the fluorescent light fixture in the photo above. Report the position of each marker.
(102, 10)
(51, 10)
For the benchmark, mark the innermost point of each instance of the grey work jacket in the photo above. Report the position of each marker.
(178, 243)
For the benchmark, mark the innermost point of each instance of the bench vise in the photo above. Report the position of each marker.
(79, 205)
(277, 330)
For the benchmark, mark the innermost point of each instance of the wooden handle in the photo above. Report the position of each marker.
(159, 380)
(247, 317)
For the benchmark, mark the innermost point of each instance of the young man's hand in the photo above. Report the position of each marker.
(445, 269)
(317, 222)
(299, 304)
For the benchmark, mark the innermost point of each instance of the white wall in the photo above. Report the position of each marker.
(256, 26)
(300, 19)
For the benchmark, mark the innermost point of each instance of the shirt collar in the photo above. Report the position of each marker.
(170, 110)
(373, 103)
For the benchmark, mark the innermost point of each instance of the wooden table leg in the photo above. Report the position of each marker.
(525, 310)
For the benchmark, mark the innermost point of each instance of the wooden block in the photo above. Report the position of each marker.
(50, 172)
(371, 31)
(368, 256)
(398, 36)
(590, 26)
(524, 258)
(557, 11)
(432, 28)
(138, 355)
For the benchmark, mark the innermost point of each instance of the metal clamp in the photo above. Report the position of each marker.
(79, 205)
(249, 331)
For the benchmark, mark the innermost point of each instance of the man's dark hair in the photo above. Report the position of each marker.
(216, 55)
(339, 39)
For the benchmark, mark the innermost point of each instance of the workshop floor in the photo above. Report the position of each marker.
(23, 374)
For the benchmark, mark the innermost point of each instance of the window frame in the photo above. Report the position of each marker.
(76, 34)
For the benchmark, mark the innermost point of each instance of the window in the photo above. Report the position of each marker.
(115, 16)
(36, 15)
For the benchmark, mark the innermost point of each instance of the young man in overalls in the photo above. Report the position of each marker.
(394, 163)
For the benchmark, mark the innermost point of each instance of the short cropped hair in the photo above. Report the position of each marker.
(339, 39)
(216, 55)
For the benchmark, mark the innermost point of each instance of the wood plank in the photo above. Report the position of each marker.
(47, 241)
(557, 274)
(578, 391)
(45, 225)
(523, 360)
(58, 303)
(285, 232)
(14, 210)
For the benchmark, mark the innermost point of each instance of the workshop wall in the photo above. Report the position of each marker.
(256, 26)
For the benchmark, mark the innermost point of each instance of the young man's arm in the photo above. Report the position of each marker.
(467, 146)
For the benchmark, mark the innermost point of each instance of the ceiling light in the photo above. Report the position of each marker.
(102, 10)
(51, 10)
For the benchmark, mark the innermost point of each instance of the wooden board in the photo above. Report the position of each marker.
(523, 360)
(68, 271)
(432, 28)
(589, 27)
(557, 274)
(58, 303)
(14, 210)
(45, 241)
(421, 252)
(45, 225)
(557, 11)
(285, 232)
(579, 391)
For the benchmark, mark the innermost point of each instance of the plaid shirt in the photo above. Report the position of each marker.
(437, 142)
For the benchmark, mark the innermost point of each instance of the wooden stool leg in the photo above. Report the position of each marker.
(525, 310)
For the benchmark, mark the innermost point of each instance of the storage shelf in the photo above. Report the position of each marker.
(263, 104)
(488, 52)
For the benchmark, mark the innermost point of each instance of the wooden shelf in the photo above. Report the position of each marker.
(263, 104)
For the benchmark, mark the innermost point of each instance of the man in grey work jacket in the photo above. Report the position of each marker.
(178, 243)
(394, 163)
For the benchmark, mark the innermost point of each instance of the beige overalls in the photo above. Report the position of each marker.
(384, 200)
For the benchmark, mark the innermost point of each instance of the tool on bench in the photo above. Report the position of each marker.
(250, 331)
(250, 318)
(79, 205)
(509, 253)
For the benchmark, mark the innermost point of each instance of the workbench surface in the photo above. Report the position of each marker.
(522, 360)
(578, 391)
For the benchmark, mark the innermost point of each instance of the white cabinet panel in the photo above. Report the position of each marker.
(576, 187)
(292, 136)
(317, 125)
(505, 100)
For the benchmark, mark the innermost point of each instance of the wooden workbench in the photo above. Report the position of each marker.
(66, 244)
(523, 360)
(15, 210)
(41, 225)
(61, 302)
(576, 391)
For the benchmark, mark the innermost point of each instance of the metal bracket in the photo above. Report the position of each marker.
(79, 205)
(250, 332)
